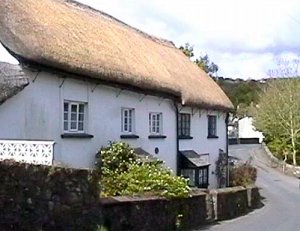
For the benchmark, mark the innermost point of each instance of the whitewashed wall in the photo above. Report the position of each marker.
(247, 129)
(37, 113)
(200, 143)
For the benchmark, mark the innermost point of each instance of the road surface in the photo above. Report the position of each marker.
(281, 211)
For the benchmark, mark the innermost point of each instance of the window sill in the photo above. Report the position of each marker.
(212, 137)
(185, 137)
(77, 135)
(157, 137)
(129, 136)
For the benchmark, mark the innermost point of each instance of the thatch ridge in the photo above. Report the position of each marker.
(84, 41)
(164, 42)
(12, 81)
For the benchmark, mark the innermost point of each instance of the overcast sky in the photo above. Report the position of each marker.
(243, 37)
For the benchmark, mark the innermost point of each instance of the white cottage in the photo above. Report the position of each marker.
(85, 79)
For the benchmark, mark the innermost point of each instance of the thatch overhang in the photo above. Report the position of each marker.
(69, 36)
(12, 81)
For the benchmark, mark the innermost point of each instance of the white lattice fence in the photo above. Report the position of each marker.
(32, 152)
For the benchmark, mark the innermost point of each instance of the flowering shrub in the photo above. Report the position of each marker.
(123, 174)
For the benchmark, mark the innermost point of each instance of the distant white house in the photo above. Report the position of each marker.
(246, 129)
(86, 78)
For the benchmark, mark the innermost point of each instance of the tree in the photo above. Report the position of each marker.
(285, 68)
(188, 50)
(278, 113)
(203, 61)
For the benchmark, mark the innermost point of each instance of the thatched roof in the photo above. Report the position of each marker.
(69, 36)
(12, 81)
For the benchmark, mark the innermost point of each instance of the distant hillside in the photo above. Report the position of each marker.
(241, 92)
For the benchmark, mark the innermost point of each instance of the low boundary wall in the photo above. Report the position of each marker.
(276, 163)
(148, 214)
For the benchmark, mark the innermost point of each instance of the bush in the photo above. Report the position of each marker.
(115, 158)
(242, 175)
(123, 174)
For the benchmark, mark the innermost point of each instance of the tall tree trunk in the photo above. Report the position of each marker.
(294, 151)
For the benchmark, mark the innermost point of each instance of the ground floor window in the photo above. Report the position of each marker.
(197, 177)
(190, 174)
(203, 177)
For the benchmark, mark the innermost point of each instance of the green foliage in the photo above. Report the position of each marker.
(243, 175)
(145, 178)
(278, 116)
(115, 158)
(206, 65)
(203, 61)
(123, 174)
(188, 50)
(242, 93)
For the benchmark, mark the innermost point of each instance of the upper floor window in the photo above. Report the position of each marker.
(74, 116)
(155, 123)
(212, 126)
(184, 125)
(127, 120)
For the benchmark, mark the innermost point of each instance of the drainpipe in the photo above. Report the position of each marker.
(227, 163)
(177, 142)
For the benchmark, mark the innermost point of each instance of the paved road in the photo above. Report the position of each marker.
(282, 197)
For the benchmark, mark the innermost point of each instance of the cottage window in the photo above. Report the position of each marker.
(127, 120)
(212, 126)
(190, 174)
(155, 123)
(184, 125)
(203, 177)
(74, 116)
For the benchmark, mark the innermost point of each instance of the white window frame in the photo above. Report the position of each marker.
(77, 121)
(127, 120)
(156, 123)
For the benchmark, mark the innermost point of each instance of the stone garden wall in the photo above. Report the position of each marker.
(36, 197)
(276, 163)
(42, 198)
(148, 214)
(141, 214)
(233, 202)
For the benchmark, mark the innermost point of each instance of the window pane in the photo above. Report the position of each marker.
(66, 126)
(125, 124)
(81, 108)
(74, 108)
(130, 124)
(189, 173)
(80, 126)
(81, 117)
(73, 125)
(66, 116)
(130, 113)
(66, 107)
(73, 116)
(150, 123)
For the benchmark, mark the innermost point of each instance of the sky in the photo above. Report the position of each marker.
(245, 38)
